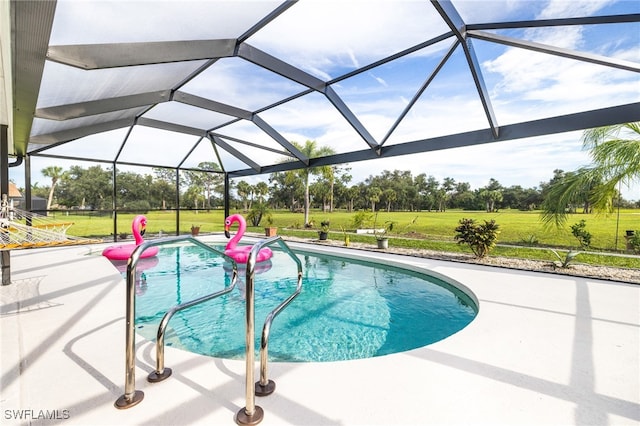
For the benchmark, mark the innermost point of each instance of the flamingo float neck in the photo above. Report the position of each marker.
(138, 227)
(241, 254)
(242, 227)
(124, 251)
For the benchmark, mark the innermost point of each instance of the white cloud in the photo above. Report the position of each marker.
(345, 34)
(567, 8)
(494, 11)
(379, 80)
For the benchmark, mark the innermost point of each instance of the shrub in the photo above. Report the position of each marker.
(530, 240)
(634, 242)
(362, 219)
(257, 212)
(579, 230)
(481, 238)
(564, 263)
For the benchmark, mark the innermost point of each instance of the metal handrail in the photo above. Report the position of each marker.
(252, 414)
(265, 386)
(161, 372)
(131, 396)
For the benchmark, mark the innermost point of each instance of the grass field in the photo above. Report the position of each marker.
(430, 230)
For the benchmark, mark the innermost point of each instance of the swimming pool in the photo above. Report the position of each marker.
(348, 309)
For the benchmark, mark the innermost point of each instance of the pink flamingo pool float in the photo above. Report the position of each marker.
(241, 254)
(124, 251)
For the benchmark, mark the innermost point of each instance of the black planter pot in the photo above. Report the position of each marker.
(323, 235)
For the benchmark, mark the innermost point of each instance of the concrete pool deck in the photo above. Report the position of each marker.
(544, 349)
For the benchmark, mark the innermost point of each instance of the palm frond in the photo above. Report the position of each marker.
(615, 151)
(619, 158)
(573, 189)
(594, 137)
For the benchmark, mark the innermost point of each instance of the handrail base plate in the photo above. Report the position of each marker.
(122, 402)
(243, 419)
(154, 377)
(265, 390)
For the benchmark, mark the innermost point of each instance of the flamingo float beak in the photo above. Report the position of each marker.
(143, 228)
(226, 231)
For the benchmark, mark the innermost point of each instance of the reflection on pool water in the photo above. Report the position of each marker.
(347, 309)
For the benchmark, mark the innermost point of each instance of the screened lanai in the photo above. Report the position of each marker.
(172, 84)
(176, 83)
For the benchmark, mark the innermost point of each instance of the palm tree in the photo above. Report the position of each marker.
(55, 173)
(311, 150)
(261, 190)
(373, 195)
(615, 151)
(206, 181)
(490, 197)
(244, 190)
(390, 195)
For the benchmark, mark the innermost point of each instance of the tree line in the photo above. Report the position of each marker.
(616, 161)
(91, 188)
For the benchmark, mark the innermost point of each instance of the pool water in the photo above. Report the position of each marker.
(347, 309)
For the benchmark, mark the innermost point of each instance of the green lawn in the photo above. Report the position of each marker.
(91, 225)
(431, 230)
(516, 227)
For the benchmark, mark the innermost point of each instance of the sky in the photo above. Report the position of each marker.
(523, 85)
